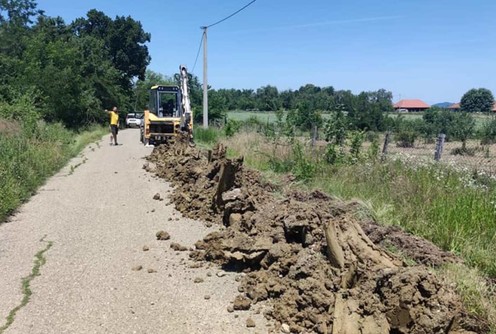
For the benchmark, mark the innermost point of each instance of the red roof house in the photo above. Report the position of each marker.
(454, 107)
(411, 105)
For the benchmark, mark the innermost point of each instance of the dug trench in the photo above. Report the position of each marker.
(318, 265)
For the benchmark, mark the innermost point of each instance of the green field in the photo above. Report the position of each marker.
(263, 116)
(270, 116)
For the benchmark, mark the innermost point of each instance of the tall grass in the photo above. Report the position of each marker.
(207, 136)
(32, 152)
(430, 201)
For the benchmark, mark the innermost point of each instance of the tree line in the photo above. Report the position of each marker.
(69, 72)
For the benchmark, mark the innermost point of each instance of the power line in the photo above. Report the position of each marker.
(213, 24)
(197, 54)
(227, 17)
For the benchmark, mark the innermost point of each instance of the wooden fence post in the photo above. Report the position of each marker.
(439, 147)
(385, 147)
(314, 134)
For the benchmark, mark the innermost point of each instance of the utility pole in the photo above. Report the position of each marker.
(205, 80)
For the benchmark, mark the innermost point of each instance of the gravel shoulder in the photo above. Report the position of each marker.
(99, 215)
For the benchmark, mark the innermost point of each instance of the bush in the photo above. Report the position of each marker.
(357, 139)
(334, 154)
(373, 151)
(406, 138)
(231, 127)
(488, 133)
(372, 136)
(303, 168)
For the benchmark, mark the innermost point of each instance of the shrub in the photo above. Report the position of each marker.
(231, 127)
(334, 154)
(406, 138)
(373, 150)
(303, 168)
(488, 133)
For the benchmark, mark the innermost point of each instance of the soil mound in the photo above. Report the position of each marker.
(307, 254)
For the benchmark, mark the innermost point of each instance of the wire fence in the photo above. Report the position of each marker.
(470, 155)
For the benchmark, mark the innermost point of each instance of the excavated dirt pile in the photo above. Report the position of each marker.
(307, 255)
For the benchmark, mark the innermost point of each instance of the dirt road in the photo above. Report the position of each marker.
(85, 231)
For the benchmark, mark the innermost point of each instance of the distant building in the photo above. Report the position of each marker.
(411, 106)
(456, 107)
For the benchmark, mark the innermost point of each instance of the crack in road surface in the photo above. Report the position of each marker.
(39, 260)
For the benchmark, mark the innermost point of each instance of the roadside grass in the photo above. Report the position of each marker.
(206, 137)
(455, 209)
(32, 154)
(479, 297)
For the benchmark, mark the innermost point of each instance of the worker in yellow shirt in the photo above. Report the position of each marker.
(114, 124)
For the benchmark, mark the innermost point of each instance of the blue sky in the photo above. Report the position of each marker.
(434, 50)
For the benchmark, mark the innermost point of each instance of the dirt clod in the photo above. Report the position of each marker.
(177, 247)
(250, 323)
(162, 235)
(156, 197)
(198, 280)
(151, 271)
(146, 248)
(242, 303)
(137, 268)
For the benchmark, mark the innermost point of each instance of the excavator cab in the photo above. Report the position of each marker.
(168, 113)
(165, 101)
(162, 119)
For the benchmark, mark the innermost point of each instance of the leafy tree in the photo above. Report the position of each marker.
(307, 115)
(439, 121)
(124, 40)
(71, 72)
(368, 113)
(15, 16)
(18, 12)
(268, 98)
(462, 127)
(477, 100)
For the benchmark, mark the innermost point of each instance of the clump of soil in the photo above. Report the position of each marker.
(162, 235)
(307, 254)
(199, 187)
(178, 247)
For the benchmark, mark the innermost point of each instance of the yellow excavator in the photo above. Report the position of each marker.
(169, 112)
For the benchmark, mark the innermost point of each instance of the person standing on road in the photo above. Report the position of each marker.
(114, 124)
